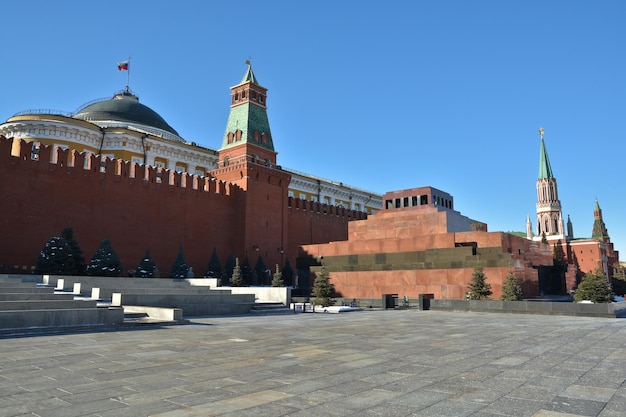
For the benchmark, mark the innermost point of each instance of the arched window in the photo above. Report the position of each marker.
(226, 161)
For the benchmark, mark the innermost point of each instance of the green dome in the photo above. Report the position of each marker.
(123, 107)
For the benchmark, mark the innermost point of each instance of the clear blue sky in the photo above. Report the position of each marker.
(381, 95)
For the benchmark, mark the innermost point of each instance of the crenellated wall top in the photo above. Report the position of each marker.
(38, 156)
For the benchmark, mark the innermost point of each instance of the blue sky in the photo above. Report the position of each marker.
(379, 95)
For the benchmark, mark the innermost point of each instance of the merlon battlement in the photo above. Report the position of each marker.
(42, 157)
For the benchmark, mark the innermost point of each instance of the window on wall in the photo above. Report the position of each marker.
(290, 194)
(35, 154)
(302, 196)
(357, 206)
(226, 161)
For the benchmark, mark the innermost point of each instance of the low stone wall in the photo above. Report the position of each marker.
(268, 294)
(209, 303)
(611, 310)
(60, 318)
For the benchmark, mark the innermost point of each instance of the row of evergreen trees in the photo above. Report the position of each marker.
(62, 255)
(594, 286)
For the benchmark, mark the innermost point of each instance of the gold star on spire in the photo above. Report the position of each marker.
(541, 132)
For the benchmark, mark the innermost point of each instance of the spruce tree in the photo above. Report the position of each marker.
(228, 269)
(618, 283)
(236, 280)
(594, 287)
(511, 289)
(479, 289)
(246, 271)
(261, 271)
(277, 280)
(323, 289)
(214, 270)
(179, 269)
(105, 262)
(56, 258)
(287, 273)
(75, 251)
(146, 267)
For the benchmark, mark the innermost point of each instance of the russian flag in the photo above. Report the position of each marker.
(122, 66)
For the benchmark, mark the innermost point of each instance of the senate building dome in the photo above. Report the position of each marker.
(123, 108)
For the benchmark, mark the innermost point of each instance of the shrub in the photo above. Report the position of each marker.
(323, 289)
(479, 289)
(594, 287)
(511, 289)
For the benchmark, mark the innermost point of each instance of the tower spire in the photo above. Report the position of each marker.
(545, 170)
(599, 228)
(549, 216)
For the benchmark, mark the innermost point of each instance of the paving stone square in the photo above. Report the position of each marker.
(361, 363)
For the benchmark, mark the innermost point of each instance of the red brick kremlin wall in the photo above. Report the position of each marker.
(139, 208)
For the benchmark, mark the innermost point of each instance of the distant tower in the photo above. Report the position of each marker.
(247, 137)
(570, 229)
(247, 158)
(549, 216)
(599, 228)
(529, 228)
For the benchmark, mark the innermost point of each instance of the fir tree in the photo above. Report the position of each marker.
(558, 256)
(287, 273)
(228, 269)
(75, 251)
(56, 258)
(511, 289)
(146, 267)
(105, 262)
(277, 280)
(594, 287)
(323, 289)
(261, 271)
(246, 271)
(479, 289)
(214, 269)
(618, 283)
(179, 269)
(236, 279)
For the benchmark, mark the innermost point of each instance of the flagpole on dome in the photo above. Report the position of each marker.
(125, 66)
(128, 76)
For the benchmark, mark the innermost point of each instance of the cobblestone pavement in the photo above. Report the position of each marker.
(364, 363)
